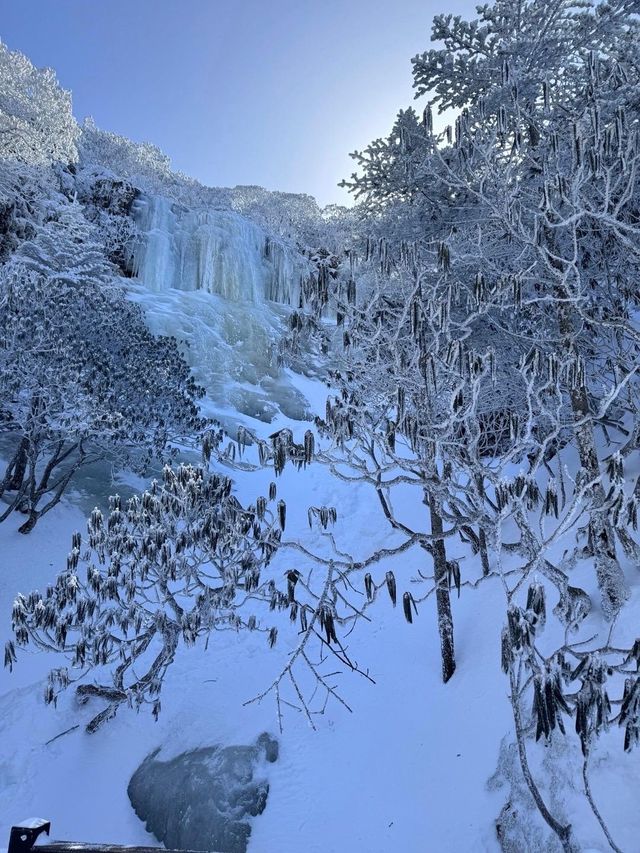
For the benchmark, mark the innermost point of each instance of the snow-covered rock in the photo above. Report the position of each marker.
(204, 799)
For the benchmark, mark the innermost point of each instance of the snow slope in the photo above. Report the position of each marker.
(380, 779)
(406, 771)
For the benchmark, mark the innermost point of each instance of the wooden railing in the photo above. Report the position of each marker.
(24, 835)
(72, 847)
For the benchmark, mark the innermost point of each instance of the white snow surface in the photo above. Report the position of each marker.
(407, 770)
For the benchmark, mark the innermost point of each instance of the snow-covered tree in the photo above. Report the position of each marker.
(36, 122)
(531, 203)
(535, 196)
(144, 164)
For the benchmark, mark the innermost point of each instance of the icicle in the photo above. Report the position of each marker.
(577, 145)
(551, 499)
(443, 313)
(407, 604)
(432, 368)
(282, 514)
(609, 137)
(293, 576)
(538, 233)
(309, 446)
(595, 122)
(415, 318)
(493, 366)
(531, 362)
(513, 426)
(444, 258)
(502, 120)
(261, 506)
(545, 203)
(620, 128)
(615, 468)
(368, 586)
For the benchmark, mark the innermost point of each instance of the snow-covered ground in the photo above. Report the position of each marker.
(407, 770)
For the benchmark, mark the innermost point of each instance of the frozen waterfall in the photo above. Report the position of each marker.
(212, 278)
(217, 251)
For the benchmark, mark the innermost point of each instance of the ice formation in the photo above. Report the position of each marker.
(217, 251)
(214, 279)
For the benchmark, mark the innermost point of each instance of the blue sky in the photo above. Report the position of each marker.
(275, 93)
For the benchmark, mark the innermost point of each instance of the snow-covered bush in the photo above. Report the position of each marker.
(167, 567)
(573, 682)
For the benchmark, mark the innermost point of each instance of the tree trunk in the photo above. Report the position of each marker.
(30, 523)
(482, 538)
(611, 580)
(563, 831)
(18, 467)
(443, 600)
